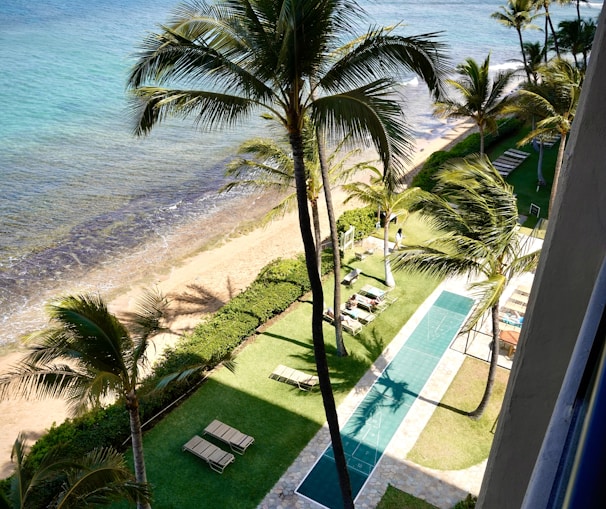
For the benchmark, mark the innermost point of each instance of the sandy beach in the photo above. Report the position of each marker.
(197, 281)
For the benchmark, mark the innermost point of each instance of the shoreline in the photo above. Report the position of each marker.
(197, 275)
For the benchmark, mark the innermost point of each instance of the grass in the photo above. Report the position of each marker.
(451, 440)
(281, 418)
(397, 499)
(524, 177)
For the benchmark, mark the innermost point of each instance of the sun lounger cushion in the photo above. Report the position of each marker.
(236, 440)
(216, 457)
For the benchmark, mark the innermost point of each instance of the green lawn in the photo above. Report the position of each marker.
(396, 499)
(451, 440)
(524, 177)
(281, 418)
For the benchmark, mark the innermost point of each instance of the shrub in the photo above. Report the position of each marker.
(363, 220)
(468, 503)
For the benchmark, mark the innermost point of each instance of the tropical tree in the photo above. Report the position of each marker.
(544, 4)
(88, 356)
(479, 97)
(217, 63)
(535, 53)
(272, 167)
(474, 212)
(553, 102)
(389, 202)
(577, 37)
(97, 479)
(518, 14)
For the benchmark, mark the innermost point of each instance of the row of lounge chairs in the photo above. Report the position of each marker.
(512, 312)
(217, 458)
(509, 161)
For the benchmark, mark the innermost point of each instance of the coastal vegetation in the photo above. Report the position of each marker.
(88, 356)
(285, 58)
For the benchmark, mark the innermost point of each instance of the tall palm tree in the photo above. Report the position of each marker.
(475, 214)
(518, 14)
(217, 63)
(389, 202)
(87, 355)
(98, 479)
(553, 102)
(272, 167)
(544, 4)
(480, 98)
(535, 53)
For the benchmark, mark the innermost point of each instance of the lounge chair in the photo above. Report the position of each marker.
(371, 305)
(362, 315)
(292, 376)
(352, 277)
(237, 441)
(349, 324)
(216, 457)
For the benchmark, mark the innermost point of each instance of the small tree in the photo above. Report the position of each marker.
(481, 98)
(98, 479)
(87, 355)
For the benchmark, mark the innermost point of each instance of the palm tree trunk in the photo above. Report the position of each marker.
(328, 400)
(558, 167)
(132, 405)
(481, 128)
(389, 280)
(315, 214)
(334, 240)
(540, 177)
(492, 369)
(523, 55)
(553, 33)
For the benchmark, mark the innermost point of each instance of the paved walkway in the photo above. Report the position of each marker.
(441, 488)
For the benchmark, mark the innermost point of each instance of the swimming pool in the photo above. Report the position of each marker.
(373, 424)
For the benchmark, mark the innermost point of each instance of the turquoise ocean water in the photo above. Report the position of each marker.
(79, 194)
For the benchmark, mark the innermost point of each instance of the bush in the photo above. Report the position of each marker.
(363, 220)
(468, 503)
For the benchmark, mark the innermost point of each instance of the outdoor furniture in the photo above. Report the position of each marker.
(292, 376)
(371, 305)
(349, 324)
(358, 314)
(509, 161)
(352, 277)
(216, 457)
(373, 292)
(237, 441)
(510, 339)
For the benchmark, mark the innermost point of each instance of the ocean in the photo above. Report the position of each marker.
(87, 206)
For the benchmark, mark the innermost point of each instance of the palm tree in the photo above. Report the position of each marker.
(535, 53)
(390, 203)
(544, 4)
(98, 479)
(480, 97)
(273, 168)
(577, 37)
(554, 103)
(517, 14)
(217, 63)
(87, 355)
(475, 214)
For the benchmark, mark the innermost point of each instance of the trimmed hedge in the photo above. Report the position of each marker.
(470, 145)
(277, 286)
(364, 220)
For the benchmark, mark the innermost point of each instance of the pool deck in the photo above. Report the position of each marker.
(440, 488)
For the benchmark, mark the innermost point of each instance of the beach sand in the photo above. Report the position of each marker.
(197, 281)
